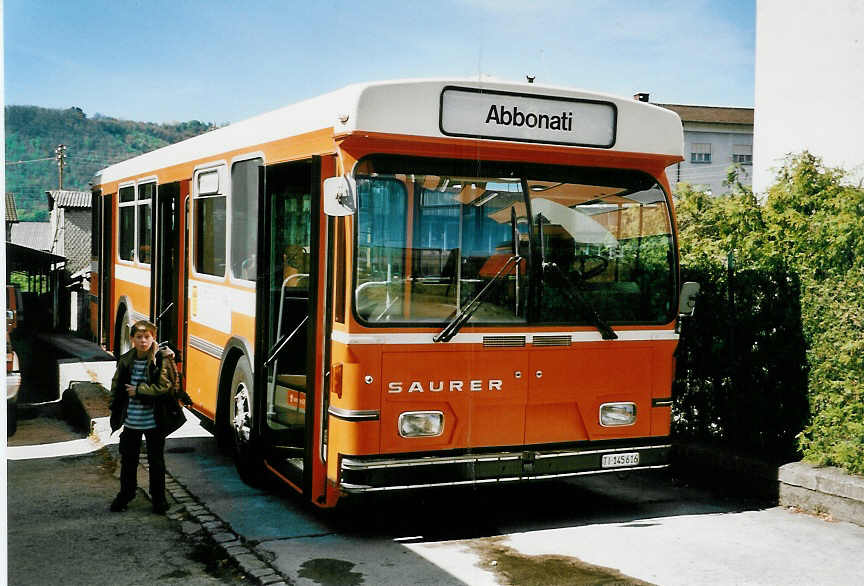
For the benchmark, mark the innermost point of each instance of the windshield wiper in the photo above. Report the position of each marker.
(457, 319)
(576, 296)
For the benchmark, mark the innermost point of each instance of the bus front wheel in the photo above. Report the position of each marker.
(122, 334)
(244, 444)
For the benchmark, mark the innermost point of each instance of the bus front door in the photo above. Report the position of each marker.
(285, 303)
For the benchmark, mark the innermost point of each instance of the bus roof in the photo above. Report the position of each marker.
(418, 108)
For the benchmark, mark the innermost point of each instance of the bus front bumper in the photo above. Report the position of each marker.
(361, 474)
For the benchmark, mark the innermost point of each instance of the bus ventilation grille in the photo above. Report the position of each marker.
(503, 341)
(551, 341)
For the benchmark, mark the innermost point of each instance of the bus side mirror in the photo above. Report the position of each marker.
(687, 299)
(339, 197)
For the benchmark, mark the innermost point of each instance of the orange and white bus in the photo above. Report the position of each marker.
(412, 283)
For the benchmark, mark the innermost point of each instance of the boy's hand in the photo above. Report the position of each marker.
(131, 389)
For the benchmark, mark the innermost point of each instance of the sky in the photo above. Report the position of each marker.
(219, 61)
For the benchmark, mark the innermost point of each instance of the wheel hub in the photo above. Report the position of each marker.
(242, 414)
(125, 341)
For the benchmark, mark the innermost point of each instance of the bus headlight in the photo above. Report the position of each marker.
(421, 423)
(616, 414)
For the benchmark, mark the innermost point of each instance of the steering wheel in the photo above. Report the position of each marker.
(581, 260)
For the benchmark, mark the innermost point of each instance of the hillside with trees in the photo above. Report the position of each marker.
(32, 134)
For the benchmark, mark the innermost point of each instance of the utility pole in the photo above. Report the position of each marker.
(60, 154)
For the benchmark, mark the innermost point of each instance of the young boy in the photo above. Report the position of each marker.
(140, 389)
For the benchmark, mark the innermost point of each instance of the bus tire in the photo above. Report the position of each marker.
(122, 330)
(244, 443)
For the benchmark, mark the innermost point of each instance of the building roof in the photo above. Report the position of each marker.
(712, 114)
(65, 198)
(11, 210)
(36, 235)
(27, 260)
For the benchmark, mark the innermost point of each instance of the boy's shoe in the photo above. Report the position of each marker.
(119, 504)
(160, 508)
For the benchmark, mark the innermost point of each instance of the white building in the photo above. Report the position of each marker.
(71, 224)
(715, 138)
(809, 83)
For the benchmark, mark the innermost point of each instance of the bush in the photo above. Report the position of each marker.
(741, 371)
(781, 329)
(834, 313)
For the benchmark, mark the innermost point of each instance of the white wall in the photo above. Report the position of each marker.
(809, 84)
(710, 175)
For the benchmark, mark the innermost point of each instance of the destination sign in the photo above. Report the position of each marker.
(528, 118)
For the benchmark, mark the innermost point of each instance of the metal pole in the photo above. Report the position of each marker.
(730, 283)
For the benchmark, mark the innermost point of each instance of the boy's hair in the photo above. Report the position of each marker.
(144, 325)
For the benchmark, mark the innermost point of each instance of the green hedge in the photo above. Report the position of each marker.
(773, 361)
(834, 313)
(742, 376)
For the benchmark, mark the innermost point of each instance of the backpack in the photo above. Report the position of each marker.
(170, 365)
(171, 416)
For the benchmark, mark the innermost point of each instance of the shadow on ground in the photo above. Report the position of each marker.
(466, 513)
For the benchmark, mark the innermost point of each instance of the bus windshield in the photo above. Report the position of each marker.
(560, 245)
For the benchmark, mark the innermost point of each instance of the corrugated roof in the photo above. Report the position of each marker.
(35, 235)
(11, 210)
(65, 198)
(711, 114)
(28, 260)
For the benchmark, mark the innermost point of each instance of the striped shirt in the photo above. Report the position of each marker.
(139, 415)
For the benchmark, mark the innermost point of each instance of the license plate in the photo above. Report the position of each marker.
(618, 460)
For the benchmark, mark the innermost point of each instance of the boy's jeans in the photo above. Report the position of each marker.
(130, 447)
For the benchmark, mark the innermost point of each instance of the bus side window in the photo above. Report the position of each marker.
(126, 223)
(244, 218)
(146, 192)
(210, 224)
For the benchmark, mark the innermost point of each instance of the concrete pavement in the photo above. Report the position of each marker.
(647, 528)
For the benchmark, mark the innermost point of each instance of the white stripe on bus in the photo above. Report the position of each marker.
(132, 275)
(384, 338)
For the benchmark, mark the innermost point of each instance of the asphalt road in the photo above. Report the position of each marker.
(594, 530)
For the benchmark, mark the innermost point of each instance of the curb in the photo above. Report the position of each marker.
(220, 534)
(93, 403)
(73, 410)
(823, 490)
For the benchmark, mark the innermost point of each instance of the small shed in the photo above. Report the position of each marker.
(40, 274)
